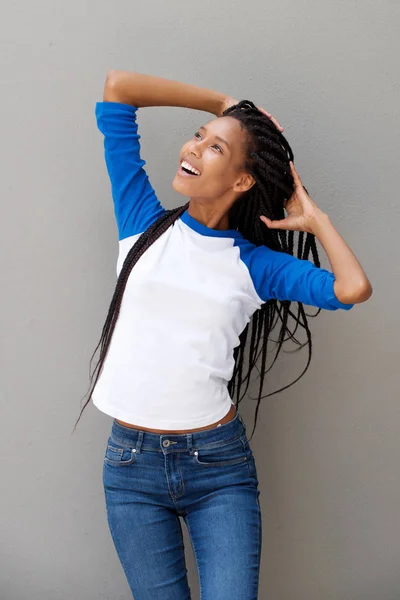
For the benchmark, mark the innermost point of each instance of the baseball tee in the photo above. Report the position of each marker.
(187, 299)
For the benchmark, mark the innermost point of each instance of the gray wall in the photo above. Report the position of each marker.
(328, 448)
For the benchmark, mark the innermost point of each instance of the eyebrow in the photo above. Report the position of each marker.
(216, 136)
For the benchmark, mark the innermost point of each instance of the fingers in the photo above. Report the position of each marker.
(265, 112)
(276, 123)
(281, 224)
(295, 174)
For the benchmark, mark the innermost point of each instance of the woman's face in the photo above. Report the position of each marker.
(216, 150)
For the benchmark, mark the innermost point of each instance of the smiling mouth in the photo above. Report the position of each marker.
(186, 173)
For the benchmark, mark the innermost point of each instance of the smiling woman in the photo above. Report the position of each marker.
(245, 176)
(221, 179)
(189, 166)
(192, 282)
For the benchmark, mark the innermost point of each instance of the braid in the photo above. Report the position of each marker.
(139, 247)
(268, 155)
(267, 159)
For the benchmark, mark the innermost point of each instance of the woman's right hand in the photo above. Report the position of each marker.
(230, 101)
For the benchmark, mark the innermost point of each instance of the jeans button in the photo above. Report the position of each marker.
(166, 443)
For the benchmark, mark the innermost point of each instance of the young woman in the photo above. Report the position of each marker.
(190, 283)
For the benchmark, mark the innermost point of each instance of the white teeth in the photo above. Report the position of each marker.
(187, 166)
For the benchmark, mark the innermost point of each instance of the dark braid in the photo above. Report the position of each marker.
(268, 155)
(147, 238)
(267, 160)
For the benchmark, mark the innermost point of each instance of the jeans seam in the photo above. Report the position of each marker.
(123, 564)
(171, 494)
(195, 554)
(248, 458)
(259, 527)
(183, 482)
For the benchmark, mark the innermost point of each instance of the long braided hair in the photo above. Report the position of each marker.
(267, 160)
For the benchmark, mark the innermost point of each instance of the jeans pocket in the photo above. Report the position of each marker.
(118, 455)
(231, 453)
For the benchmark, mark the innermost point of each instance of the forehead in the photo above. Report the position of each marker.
(227, 128)
(221, 125)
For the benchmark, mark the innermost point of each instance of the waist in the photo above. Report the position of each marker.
(176, 442)
(228, 417)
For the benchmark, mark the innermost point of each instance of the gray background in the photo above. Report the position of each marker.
(327, 449)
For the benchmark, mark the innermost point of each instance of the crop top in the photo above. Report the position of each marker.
(187, 299)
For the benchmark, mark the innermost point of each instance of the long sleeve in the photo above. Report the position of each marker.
(136, 205)
(284, 277)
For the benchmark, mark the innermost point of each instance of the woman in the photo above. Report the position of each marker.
(172, 353)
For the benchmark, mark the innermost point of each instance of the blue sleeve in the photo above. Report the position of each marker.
(136, 205)
(285, 277)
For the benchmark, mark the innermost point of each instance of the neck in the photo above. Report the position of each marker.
(213, 215)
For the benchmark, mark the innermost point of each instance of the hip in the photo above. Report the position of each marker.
(184, 466)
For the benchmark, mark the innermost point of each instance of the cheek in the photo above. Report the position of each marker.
(217, 164)
(217, 174)
(218, 179)
(224, 172)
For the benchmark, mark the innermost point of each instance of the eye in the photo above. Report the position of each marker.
(197, 133)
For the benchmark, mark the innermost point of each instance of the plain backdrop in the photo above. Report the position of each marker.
(328, 448)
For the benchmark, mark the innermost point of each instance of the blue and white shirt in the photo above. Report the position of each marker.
(187, 299)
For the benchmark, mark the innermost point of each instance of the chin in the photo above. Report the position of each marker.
(179, 187)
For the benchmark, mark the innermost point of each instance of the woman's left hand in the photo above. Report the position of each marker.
(301, 209)
(275, 122)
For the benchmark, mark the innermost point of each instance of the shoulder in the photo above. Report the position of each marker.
(259, 258)
(269, 268)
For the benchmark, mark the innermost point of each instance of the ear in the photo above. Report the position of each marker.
(244, 183)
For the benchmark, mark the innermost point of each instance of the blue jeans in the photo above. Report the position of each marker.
(206, 477)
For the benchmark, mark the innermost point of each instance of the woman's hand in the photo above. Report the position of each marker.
(229, 101)
(302, 212)
(275, 122)
(351, 284)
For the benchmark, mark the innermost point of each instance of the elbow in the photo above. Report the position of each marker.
(111, 76)
(361, 293)
(110, 92)
(367, 292)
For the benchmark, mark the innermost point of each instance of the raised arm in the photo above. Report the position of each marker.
(142, 90)
(351, 284)
(135, 201)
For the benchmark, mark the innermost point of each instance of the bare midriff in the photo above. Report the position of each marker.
(228, 417)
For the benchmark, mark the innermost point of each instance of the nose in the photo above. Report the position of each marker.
(195, 147)
(194, 151)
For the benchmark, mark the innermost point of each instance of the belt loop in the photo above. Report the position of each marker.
(190, 442)
(139, 441)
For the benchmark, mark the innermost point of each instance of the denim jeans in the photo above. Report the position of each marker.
(209, 479)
